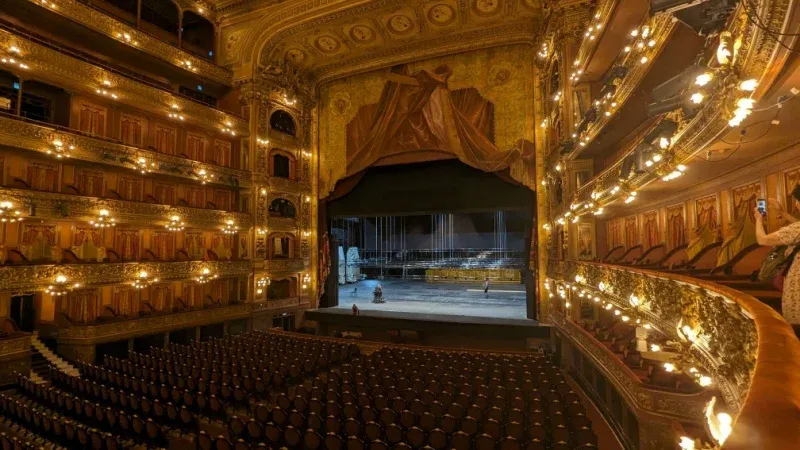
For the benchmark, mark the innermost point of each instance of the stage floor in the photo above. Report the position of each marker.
(505, 301)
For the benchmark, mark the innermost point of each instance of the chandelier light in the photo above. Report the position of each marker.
(143, 280)
(203, 176)
(230, 227)
(143, 166)
(205, 276)
(175, 224)
(59, 150)
(61, 286)
(8, 214)
(103, 220)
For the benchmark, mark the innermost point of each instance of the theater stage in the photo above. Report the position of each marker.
(446, 314)
(505, 301)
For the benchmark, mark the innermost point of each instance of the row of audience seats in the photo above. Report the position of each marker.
(279, 390)
(740, 272)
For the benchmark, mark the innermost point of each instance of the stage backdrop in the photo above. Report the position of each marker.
(475, 106)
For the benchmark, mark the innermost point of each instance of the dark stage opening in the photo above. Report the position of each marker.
(432, 236)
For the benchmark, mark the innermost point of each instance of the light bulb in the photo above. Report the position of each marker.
(749, 85)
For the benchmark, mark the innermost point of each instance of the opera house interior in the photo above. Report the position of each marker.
(400, 224)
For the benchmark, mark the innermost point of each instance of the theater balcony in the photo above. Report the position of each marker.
(51, 62)
(180, 44)
(721, 364)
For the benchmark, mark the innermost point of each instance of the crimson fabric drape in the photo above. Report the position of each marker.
(419, 112)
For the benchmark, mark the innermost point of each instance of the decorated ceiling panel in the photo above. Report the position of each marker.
(393, 31)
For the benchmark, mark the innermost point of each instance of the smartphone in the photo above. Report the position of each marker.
(761, 204)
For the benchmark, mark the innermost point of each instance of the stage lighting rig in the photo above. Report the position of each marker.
(706, 17)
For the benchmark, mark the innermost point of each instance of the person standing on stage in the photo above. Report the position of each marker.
(486, 286)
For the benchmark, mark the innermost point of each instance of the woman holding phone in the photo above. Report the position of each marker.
(788, 235)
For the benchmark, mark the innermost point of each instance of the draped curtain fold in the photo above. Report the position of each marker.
(131, 130)
(165, 140)
(419, 112)
(196, 147)
(128, 244)
(164, 245)
(651, 231)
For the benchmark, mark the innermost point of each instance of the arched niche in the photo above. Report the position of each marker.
(281, 207)
(282, 121)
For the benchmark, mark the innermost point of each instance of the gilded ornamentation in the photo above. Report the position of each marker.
(52, 206)
(728, 338)
(646, 399)
(29, 136)
(37, 277)
(282, 266)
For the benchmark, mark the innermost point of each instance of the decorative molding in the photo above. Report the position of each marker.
(38, 138)
(38, 277)
(103, 23)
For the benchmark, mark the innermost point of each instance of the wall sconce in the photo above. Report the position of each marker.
(260, 141)
(261, 231)
(306, 233)
(61, 286)
(59, 150)
(176, 116)
(205, 276)
(175, 224)
(103, 220)
(142, 281)
(227, 129)
(260, 284)
(8, 214)
(308, 199)
(230, 228)
(263, 191)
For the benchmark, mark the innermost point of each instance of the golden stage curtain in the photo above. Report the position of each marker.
(418, 112)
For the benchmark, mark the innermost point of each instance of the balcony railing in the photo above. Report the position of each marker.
(113, 331)
(290, 265)
(51, 205)
(748, 350)
(37, 136)
(104, 23)
(38, 277)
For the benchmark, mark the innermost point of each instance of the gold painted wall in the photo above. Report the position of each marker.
(502, 75)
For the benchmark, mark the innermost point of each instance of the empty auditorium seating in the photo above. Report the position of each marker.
(280, 390)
